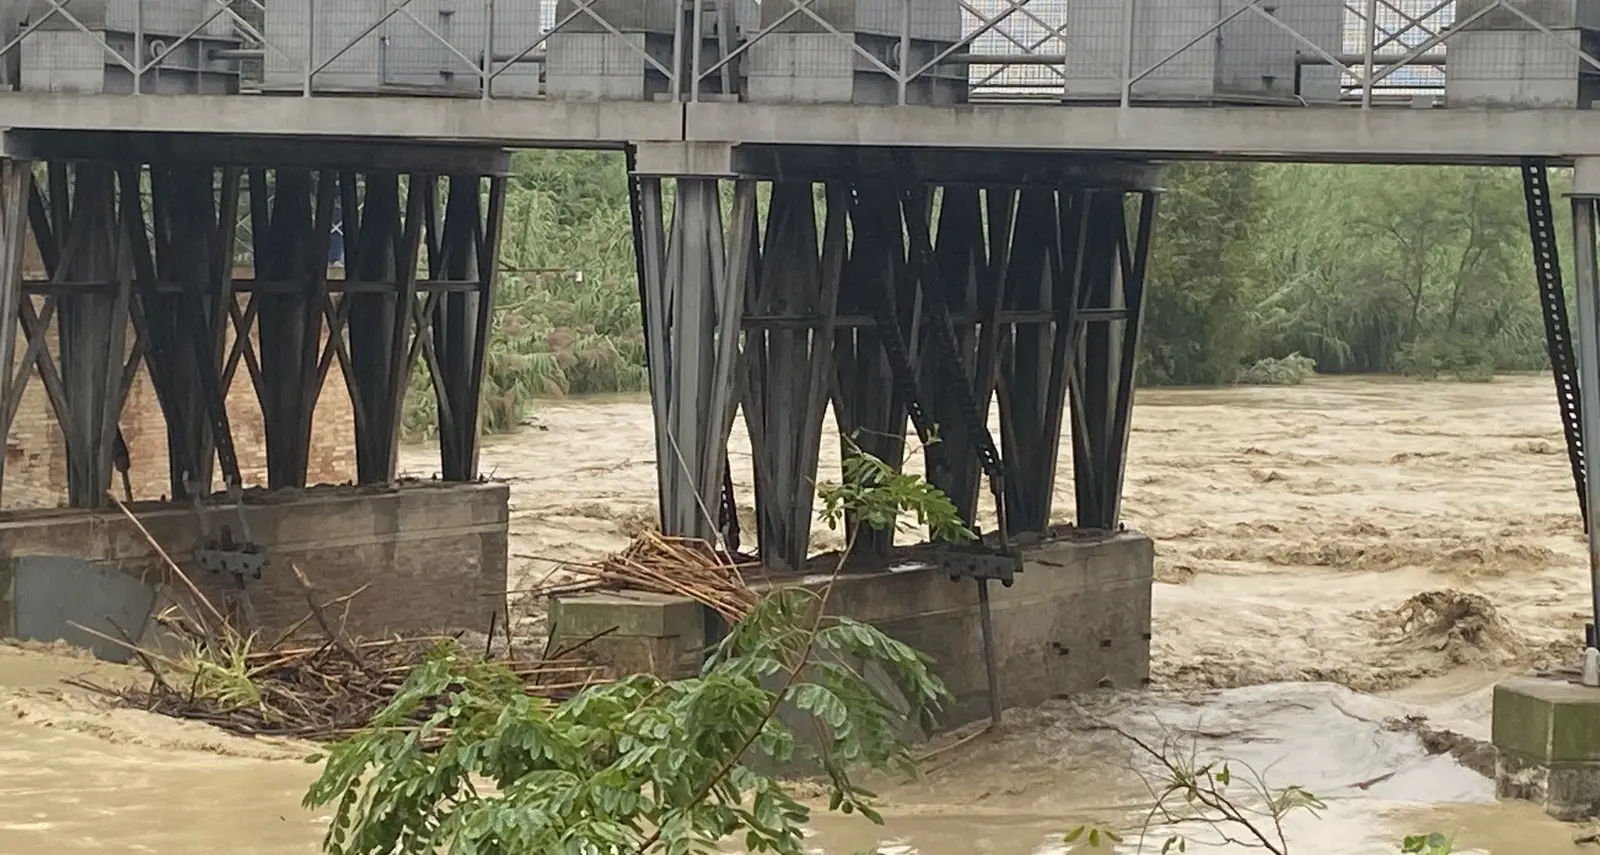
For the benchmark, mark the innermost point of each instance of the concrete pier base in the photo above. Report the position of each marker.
(1077, 618)
(1547, 738)
(433, 555)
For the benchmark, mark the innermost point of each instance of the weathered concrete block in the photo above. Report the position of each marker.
(1546, 733)
(46, 598)
(633, 633)
(432, 555)
(1077, 618)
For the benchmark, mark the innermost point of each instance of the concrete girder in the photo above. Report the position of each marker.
(1302, 134)
(1290, 134)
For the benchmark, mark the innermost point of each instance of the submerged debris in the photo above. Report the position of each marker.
(320, 687)
(326, 687)
(319, 692)
(1474, 754)
(1463, 626)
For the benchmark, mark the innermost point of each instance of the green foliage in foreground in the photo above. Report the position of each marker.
(875, 494)
(635, 766)
(1427, 844)
(644, 764)
(1417, 270)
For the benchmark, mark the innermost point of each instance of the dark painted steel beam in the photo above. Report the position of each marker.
(167, 149)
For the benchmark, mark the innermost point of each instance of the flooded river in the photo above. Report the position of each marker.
(1331, 558)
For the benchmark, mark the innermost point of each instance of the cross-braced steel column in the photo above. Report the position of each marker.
(1079, 244)
(16, 180)
(1586, 268)
(183, 330)
(465, 250)
(789, 368)
(382, 244)
(140, 238)
(78, 227)
(291, 246)
(1036, 273)
(1114, 258)
(693, 285)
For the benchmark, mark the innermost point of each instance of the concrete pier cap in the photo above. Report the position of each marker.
(427, 557)
(1585, 178)
(1077, 619)
(1546, 734)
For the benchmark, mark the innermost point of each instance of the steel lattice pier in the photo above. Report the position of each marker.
(775, 311)
(139, 238)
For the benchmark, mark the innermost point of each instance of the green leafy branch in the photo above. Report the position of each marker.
(643, 764)
(875, 494)
(1426, 844)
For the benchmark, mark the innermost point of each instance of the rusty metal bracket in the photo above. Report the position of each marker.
(984, 563)
(224, 553)
(240, 556)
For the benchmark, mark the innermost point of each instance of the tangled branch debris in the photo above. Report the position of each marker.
(293, 686)
(679, 566)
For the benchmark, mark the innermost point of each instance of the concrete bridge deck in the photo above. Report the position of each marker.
(1393, 81)
(1315, 134)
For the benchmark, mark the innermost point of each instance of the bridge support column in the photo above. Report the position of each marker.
(1040, 262)
(16, 179)
(1078, 269)
(82, 242)
(1544, 726)
(693, 278)
(1586, 268)
(147, 246)
(203, 263)
(1111, 310)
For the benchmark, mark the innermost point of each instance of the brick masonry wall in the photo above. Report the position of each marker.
(35, 450)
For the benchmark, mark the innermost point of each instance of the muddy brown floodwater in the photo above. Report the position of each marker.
(1332, 558)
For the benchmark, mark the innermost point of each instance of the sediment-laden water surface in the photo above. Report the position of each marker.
(1332, 558)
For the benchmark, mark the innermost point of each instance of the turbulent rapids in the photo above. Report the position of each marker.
(1335, 559)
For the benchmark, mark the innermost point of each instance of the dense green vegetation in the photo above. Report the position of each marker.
(1424, 271)
(1361, 269)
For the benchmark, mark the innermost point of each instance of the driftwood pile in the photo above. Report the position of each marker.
(316, 692)
(321, 689)
(679, 566)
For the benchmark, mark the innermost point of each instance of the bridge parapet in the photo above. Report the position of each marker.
(1501, 53)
